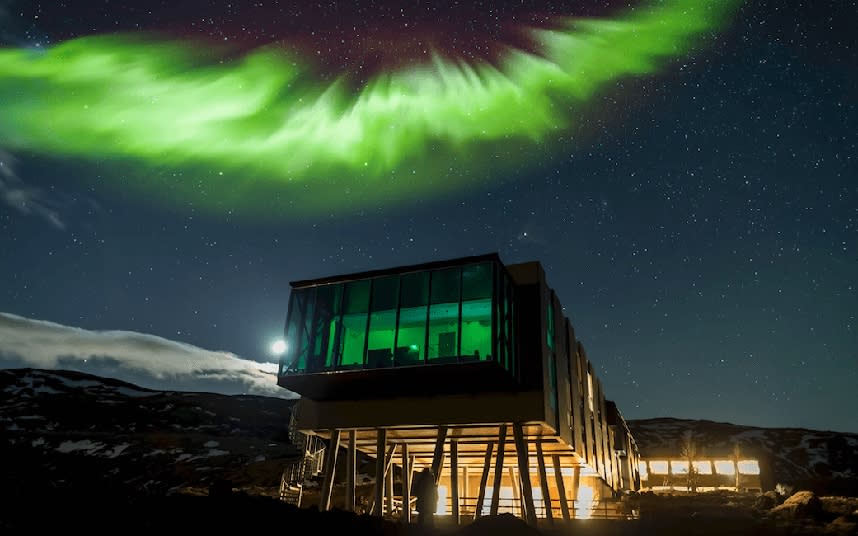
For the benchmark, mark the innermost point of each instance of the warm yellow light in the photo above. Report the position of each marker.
(703, 467)
(584, 504)
(679, 467)
(725, 467)
(749, 467)
(441, 506)
(658, 468)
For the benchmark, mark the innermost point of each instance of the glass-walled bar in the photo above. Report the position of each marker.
(454, 314)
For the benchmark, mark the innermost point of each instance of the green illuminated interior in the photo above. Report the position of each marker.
(262, 131)
(412, 319)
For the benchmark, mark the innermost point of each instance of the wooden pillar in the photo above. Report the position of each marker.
(466, 486)
(524, 471)
(380, 445)
(406, 485)
(454, 478)
(350, 471)
(438, 456)
(517, 495)
(388, 487)
(330, 470)
(543, 482)
(498, 470)
(481, 494)
(576, 482)
(561, 487)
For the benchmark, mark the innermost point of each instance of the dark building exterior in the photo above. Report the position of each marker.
(468, 367)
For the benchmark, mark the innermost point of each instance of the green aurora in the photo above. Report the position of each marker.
(264, 133)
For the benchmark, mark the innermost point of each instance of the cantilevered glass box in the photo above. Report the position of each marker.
(402, 328)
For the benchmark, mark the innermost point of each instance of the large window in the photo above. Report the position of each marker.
(477, 311)
(444, 315)
(355, 311)
(411, 333)
(430, 317)
(382, 322)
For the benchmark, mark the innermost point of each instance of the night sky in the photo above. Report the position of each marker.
(698, 223)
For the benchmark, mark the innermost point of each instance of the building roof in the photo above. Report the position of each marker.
(433, 265)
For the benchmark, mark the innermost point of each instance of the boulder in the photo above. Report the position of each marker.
(802, 504)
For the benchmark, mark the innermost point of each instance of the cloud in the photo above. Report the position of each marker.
(23, 198)
(139, 358)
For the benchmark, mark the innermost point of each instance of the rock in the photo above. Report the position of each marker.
(767, 501)
(843, 525)
(802, 504)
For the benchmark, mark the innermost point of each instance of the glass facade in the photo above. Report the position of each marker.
(448, 315)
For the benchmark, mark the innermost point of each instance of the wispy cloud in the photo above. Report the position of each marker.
(23, 198)
(139, 358)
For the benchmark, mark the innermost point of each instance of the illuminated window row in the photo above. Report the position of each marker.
(433, 316)
(701, 467)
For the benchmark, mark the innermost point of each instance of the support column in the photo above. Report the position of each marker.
(388, 487)
(524, 472)
(438, 456)
(454, 478)
(561, 487)
(576, 485)
(543, 482)
(481, 494)
(406, 485)
(517, 495)
(330, 470)
(466, 485)
(576, 482)
(350, 471)
(498, 470)
(380, 445)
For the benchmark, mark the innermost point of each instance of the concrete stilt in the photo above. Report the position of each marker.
(350, 471)
(330, 470)
(438, 456)
(406, 485)
(481, 494)
(543, 482)
(454, 478)
(561, 487)
(380, 445)
(498, 470)
(524, 472)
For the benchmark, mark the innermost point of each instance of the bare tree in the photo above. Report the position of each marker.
(688, 451)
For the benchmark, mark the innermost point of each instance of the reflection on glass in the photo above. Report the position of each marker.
(355, 308)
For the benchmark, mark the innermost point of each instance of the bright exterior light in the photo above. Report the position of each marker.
(278, 347)
(679, 467)
(642, 470)
(725, 467)
(703, 467)
(658, 467)
(749, 467)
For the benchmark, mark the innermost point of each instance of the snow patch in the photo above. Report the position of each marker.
(90, 447)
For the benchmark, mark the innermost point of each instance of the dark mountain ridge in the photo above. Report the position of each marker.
(64, 430)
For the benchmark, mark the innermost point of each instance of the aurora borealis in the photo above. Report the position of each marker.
(684, 170)
(265, 121)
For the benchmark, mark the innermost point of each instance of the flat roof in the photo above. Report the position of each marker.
(432, 265)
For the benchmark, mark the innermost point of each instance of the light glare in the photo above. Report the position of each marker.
(278, 347)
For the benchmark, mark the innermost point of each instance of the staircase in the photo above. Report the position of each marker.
(310, 464)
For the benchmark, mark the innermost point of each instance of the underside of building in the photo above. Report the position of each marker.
(467, 367)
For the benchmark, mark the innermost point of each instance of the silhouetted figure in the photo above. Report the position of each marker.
(427, 497)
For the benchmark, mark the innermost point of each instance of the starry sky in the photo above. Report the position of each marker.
(698, 223)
